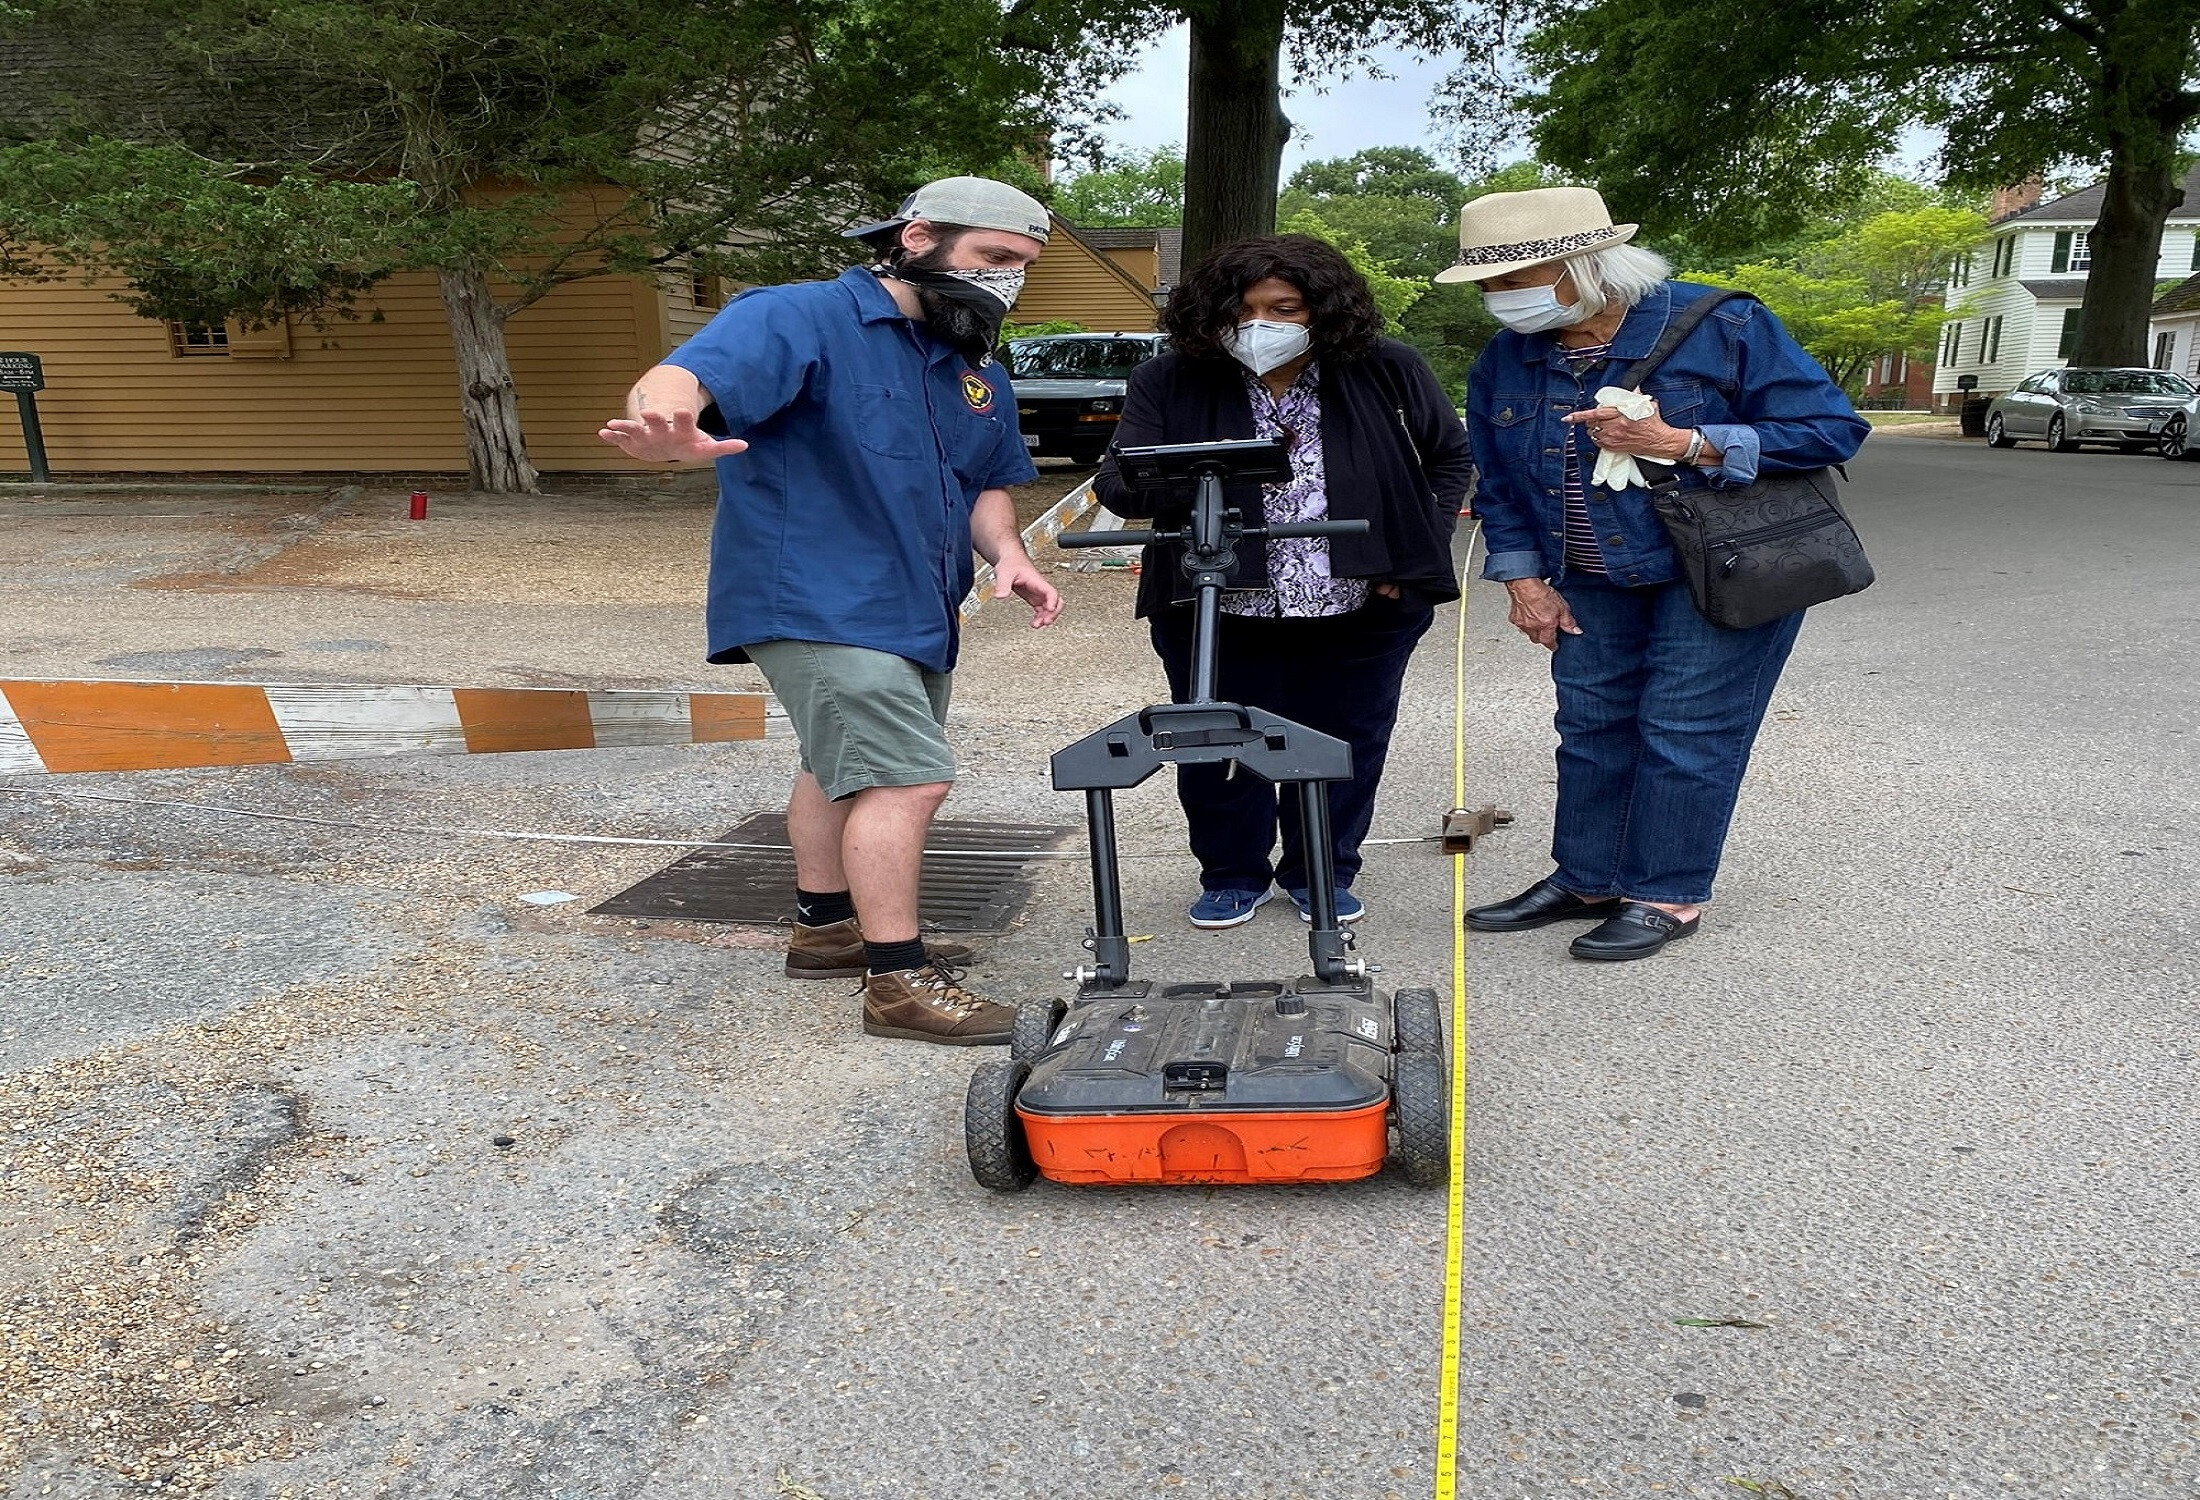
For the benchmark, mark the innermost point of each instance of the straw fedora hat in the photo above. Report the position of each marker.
(1500, 233)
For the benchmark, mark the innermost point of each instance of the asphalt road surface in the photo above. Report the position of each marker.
(334, 1170)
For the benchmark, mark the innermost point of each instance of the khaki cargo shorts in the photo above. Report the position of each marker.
(864, 718)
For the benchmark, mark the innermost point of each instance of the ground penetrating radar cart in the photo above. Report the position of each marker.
(1299, 1079)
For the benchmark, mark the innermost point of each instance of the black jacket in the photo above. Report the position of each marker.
(1394, 452)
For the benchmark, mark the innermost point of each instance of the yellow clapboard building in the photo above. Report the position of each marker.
(129, 395)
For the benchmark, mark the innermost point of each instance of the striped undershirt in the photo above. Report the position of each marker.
(1583, 553)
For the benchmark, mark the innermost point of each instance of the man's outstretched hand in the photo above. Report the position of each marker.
(667, 438)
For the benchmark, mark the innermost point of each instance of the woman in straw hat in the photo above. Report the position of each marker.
(1657, 708)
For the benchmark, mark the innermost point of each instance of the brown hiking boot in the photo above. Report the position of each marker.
(930, 1005)
(835, 951)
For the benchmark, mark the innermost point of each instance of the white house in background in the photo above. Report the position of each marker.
(2017, 295)
(2175, 331)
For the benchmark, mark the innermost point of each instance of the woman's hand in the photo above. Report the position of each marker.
(1539, 612)
(1648, 438)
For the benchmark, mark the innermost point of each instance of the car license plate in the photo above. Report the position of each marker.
(1031, 440)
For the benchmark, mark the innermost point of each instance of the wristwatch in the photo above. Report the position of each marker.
(1695, 446)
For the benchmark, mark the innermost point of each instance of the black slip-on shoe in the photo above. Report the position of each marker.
(1539, 905)
(1634, 931)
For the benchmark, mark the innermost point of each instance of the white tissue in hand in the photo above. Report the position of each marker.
(1616, 471)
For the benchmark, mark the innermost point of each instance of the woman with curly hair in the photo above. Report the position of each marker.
(1280, 338)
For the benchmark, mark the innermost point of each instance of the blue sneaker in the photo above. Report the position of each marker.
(1229, 908)
(1349, 907)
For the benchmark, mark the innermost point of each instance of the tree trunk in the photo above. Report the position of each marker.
(1234, 139)
(2146, 113)
(496, 449)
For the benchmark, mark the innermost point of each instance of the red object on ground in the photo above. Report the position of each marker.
(419, 510)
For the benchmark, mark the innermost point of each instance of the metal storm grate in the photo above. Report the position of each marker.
(978, 887)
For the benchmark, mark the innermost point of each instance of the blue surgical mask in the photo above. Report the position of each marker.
(1531, 309)
(1261, 345)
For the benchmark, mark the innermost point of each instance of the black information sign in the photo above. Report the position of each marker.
(24, 375)
(21, 372)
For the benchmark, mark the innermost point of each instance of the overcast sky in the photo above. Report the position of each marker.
(1352, 115)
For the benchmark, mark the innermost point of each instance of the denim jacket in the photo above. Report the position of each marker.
(1740, 377)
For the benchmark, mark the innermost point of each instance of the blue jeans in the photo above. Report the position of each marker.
(1657, 710)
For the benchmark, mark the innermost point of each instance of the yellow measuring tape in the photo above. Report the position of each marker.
(1455, 1217)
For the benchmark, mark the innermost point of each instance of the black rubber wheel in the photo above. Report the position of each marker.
(1000, 1158)
(1997, 436)
(1418, 1017)
(1036, 1023)
(1420, 1102)
(2171, 444)
(2058, 440)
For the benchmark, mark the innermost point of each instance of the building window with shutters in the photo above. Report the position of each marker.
(1990, 341)
(2069, 332)
(2073, 251)
(1951, 344)
(2005, 255)
(2165, 351)
(707, 292)
(186, 339)
(1959, 274)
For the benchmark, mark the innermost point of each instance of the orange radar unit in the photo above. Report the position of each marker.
(1294, 1080)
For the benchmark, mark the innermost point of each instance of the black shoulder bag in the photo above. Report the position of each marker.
(1758, 551)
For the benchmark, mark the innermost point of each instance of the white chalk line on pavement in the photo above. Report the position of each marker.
(536, 837)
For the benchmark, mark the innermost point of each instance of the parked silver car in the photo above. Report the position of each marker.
(2066, 408)
(2181, 433)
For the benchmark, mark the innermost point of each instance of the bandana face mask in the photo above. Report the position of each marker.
(1002, 283)
(982, 296)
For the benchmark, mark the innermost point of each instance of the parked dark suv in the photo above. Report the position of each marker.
(1069, 389)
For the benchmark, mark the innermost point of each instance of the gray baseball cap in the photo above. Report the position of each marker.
(973, 202)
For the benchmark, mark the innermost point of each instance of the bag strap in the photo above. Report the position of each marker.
(1677, 328)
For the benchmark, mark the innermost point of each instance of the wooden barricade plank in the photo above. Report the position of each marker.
(145, 726)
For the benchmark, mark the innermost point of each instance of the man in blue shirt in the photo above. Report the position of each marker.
(865, 440)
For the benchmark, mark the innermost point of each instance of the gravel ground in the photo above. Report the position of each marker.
(333, 1169)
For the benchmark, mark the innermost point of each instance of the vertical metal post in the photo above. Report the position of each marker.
(1111, 949)
(1206, 626)
(34, 440)
(1326, 943)
(1206, 531)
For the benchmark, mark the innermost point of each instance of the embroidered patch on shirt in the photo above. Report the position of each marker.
(977, 392)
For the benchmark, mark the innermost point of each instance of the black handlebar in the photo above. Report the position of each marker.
(1070, 539)
(1075, 539)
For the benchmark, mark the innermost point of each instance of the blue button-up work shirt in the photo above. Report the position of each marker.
(1759, 398)
(848, 518)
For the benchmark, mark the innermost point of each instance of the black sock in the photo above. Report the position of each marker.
(822, 908)
(892, 958)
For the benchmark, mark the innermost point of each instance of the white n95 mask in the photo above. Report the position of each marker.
(1531, 309)
(1261, 346)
